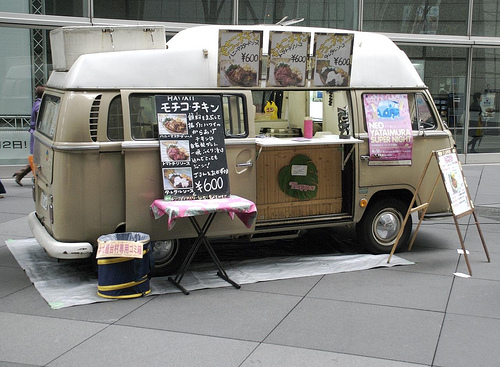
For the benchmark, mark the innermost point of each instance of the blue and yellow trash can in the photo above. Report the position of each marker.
(124, 264)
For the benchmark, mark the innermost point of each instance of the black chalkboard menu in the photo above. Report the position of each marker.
(193, 153)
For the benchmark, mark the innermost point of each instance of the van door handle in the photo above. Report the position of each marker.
(364, 157)
(245, 164)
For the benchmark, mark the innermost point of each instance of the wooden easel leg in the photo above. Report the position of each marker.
(424, 210)
(481, 235)
(466, 257)
(412, 210)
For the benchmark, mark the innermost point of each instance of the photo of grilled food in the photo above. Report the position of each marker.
(178, 178)
(176, 150)
(333, 77)
(175, 125)
(243, 76)
(285, 75)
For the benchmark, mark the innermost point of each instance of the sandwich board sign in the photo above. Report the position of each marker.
(450, 171)
(192, 147)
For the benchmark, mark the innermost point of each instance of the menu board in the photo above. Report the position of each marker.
(192, 149)
(333, 53)
(239, 58)
(389, 128)
(454, 182)
(288, 53)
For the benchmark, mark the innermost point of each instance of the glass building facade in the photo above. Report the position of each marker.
(454, 45)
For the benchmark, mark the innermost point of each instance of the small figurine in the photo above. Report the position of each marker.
(344, 124)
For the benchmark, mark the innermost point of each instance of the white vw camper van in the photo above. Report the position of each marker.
(97, 150)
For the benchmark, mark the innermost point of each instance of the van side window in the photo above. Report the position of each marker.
(143, 119)
(47, 118)
(422, 117)
(144, 124)
(115, 119)
(234, 116)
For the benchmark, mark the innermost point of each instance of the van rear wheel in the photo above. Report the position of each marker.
(168, 255)
(380, 225)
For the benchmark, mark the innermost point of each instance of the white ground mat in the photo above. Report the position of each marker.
(70, 283)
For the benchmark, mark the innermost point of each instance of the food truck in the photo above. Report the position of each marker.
(318, 127)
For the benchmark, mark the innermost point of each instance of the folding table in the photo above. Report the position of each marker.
(244, 209)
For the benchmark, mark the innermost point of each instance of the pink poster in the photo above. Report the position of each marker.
(389, 128)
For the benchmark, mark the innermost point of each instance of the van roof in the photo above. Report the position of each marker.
(191, 61)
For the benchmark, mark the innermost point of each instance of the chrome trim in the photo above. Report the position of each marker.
(148, 144)
(301, 221)
(244, 141)
(75, 147)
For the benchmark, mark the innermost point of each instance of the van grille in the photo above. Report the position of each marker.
(94, 115)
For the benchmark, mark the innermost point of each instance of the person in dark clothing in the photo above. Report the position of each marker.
(475, 123)
(2, 190)
(34, 114)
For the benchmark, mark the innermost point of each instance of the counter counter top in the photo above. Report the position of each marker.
(323, 140)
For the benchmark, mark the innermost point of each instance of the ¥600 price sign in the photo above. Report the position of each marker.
(193, 153)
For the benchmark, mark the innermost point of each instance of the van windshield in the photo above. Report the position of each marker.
(47, 118)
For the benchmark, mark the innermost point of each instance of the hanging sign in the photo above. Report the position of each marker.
(288, 52)
(389, 129)
(300, 178)
(333, 53)
(193, 153)
(239, 58)
(454, 182)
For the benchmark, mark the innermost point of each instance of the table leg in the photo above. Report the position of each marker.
(192, 251)
(202, 238)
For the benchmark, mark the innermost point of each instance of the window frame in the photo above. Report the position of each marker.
(43, 125)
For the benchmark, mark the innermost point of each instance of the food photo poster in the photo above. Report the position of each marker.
(454, 182)
(240, 54)
(389, 128)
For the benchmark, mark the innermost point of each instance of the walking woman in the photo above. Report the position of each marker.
(34, 113)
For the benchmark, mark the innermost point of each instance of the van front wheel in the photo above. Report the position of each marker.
(380, 226)
(168, 256)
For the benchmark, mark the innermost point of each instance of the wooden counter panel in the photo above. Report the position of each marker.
(273, 203)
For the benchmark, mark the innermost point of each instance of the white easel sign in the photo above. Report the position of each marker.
(454, 182)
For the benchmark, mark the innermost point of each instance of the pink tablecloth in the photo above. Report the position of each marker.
(244, 209)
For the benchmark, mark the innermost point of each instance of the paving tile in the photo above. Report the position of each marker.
(6, 257)
(18, 201)
(479, 265)
(438, 235)
(475, 297)
(267, 355)
(126, 346)
(38, 340)
(14, 226)
(392, 333)
(385, 287)
(468, 341)
(224, 312)
(429, 260)
(29, 301)
(13, 280)
(293, 287)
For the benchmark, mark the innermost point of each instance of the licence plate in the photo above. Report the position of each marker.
(44, 202)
